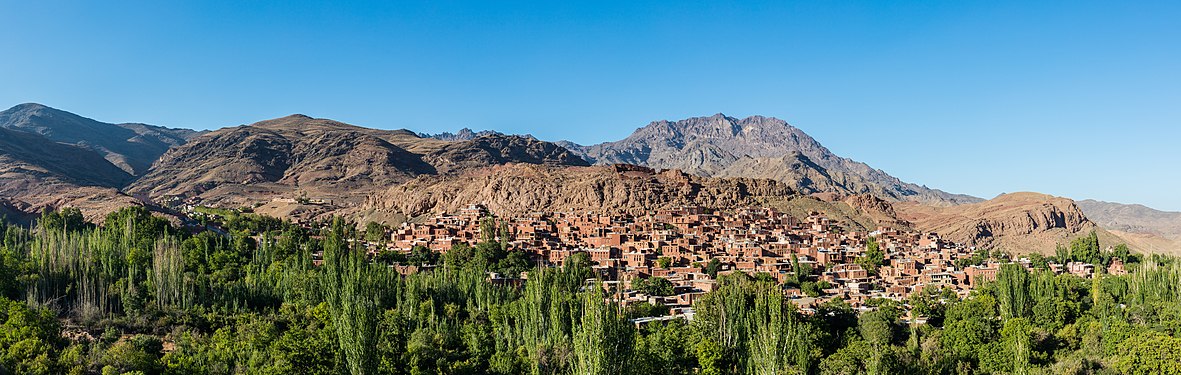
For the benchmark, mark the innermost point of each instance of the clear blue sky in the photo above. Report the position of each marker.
(1073, 98)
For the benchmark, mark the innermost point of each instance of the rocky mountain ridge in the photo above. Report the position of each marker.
(465, 134)
(51, 158)
(757, 147)
(302, 156)
(1133, 218)
(1146, 228)
(130, 147)
(47, 160)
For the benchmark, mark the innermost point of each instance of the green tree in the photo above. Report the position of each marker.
(1121, 252)
(28, 338)
(1051, 314)
(421, 255)
(514, 263)
(602, 340)
(1012, 291)
(931, 303)
(1149, 353)
(873, 258)
(655, 286)
(351, 286)
(374, 232)
(664, 349)
(849, 360)
(1086, 249)
(1017, 340)
(712, 268)
(779, 342)
(67, 219)
(968, 327)
(1038, 261)
(664, 262)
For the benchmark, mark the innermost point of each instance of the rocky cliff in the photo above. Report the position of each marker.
(1018, 222)
(496, 149)
(522, 188)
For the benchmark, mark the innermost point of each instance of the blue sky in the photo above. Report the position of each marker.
(1073, 98)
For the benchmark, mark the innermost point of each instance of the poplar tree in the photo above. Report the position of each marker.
(1013, 291)
(350, 285)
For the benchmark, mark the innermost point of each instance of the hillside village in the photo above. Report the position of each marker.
(691, 246)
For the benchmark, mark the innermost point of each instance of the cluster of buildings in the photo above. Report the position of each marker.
(678, 245)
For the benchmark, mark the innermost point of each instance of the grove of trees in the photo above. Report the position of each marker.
(135, 295)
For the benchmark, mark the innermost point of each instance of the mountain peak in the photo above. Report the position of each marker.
(300, 123)
(29, 107)
(294, 118)
(755, 146)
(25, 112)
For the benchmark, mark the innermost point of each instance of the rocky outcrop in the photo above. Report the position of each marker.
(522, 188)
(757, 147)
(1019, 222)
(875, 208)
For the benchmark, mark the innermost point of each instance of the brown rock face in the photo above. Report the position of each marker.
(521, 188)
(1019, 222)
(875, 208)
(324, 159)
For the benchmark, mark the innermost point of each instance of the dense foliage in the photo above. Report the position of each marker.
(136, 295)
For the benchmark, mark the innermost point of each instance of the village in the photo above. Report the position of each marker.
(691, 247)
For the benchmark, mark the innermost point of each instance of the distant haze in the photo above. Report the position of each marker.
(1077, 99)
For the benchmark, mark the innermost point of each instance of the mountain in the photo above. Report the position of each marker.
(130, 147)
(51, 158)
(36, 173)
(757, 147)
(1133, 218)
(36, 158)
(1149, 229)
(496, 149)
(1017, 222)
(323, 159)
